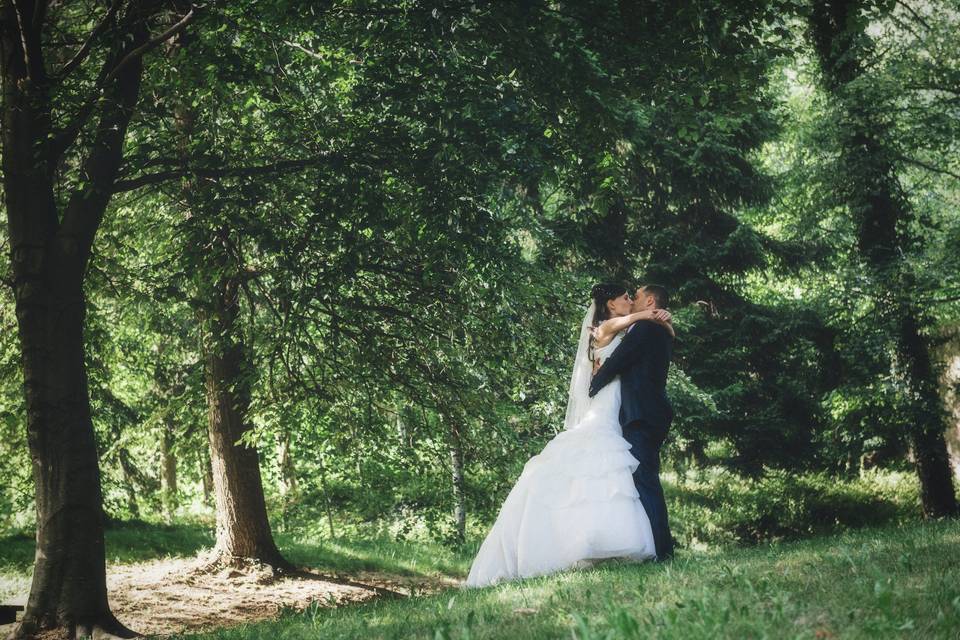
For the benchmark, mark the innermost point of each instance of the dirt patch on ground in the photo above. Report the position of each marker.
(165, 597)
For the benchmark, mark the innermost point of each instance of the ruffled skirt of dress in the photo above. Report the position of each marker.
(573, 503)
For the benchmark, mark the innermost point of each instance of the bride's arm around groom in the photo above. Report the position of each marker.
(647, 346)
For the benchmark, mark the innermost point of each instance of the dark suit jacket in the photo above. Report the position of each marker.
(641, 360)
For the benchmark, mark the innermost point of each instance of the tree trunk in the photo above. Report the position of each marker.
(288, 473)
(326, 496)
(243, 530)
(168, 470)
(49, 250)
(129, 473)
(927, 435)
(164, 390)
(949, 357)
(882, 215)
(69, 589)
(206, 477)
(456, 466)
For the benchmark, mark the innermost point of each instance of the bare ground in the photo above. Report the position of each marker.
(177, 595)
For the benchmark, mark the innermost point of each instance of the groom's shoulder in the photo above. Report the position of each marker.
(649, 328)
(658, 331)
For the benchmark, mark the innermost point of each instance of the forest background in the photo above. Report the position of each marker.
(319, 267)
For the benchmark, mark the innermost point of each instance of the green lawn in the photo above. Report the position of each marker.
(896, 582)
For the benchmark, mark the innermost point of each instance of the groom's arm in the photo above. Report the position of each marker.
(622, 357)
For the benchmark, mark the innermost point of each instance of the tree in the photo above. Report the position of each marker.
(243, 528)
(63, 122)
(882, 216)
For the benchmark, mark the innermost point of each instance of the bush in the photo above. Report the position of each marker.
(715, 507)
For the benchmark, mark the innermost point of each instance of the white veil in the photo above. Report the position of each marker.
(578, 399)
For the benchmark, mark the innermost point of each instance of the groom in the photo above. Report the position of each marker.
(642, 360)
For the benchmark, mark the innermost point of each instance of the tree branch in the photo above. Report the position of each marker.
(63, 139)
(228, 172)
(916, 15)
(312, 54)
(84, 50)
(24, 41)
(85, 208)
(928, 167)
(150, 44)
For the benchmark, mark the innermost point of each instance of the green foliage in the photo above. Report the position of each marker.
(710, 508)
(414, 198)
(713, 507)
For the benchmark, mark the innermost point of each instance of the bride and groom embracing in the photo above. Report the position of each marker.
(594, 491)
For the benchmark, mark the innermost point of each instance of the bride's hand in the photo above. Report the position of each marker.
(657, 315)
(662, 315)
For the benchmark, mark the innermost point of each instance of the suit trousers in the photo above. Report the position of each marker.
(645, 441)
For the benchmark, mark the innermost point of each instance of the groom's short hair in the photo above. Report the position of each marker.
(659, 294)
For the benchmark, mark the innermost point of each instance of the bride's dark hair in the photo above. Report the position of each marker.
(603, 293)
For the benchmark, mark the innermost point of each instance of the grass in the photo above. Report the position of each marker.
(136, 541)
(713, 508)
(865, 569)
(381, 555)
(890, 582)
(126, 542)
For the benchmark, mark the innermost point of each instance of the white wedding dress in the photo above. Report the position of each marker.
(574, 502)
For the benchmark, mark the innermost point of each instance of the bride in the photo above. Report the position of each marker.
(576, 502)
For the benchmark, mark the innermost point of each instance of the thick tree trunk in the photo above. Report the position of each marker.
(49, 252)
(69, 588)
(882, 215)
(243, 530)
(927, 435)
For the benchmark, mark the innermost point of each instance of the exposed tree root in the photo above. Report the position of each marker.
(217, 562)
(239, 566)
(106, 627)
